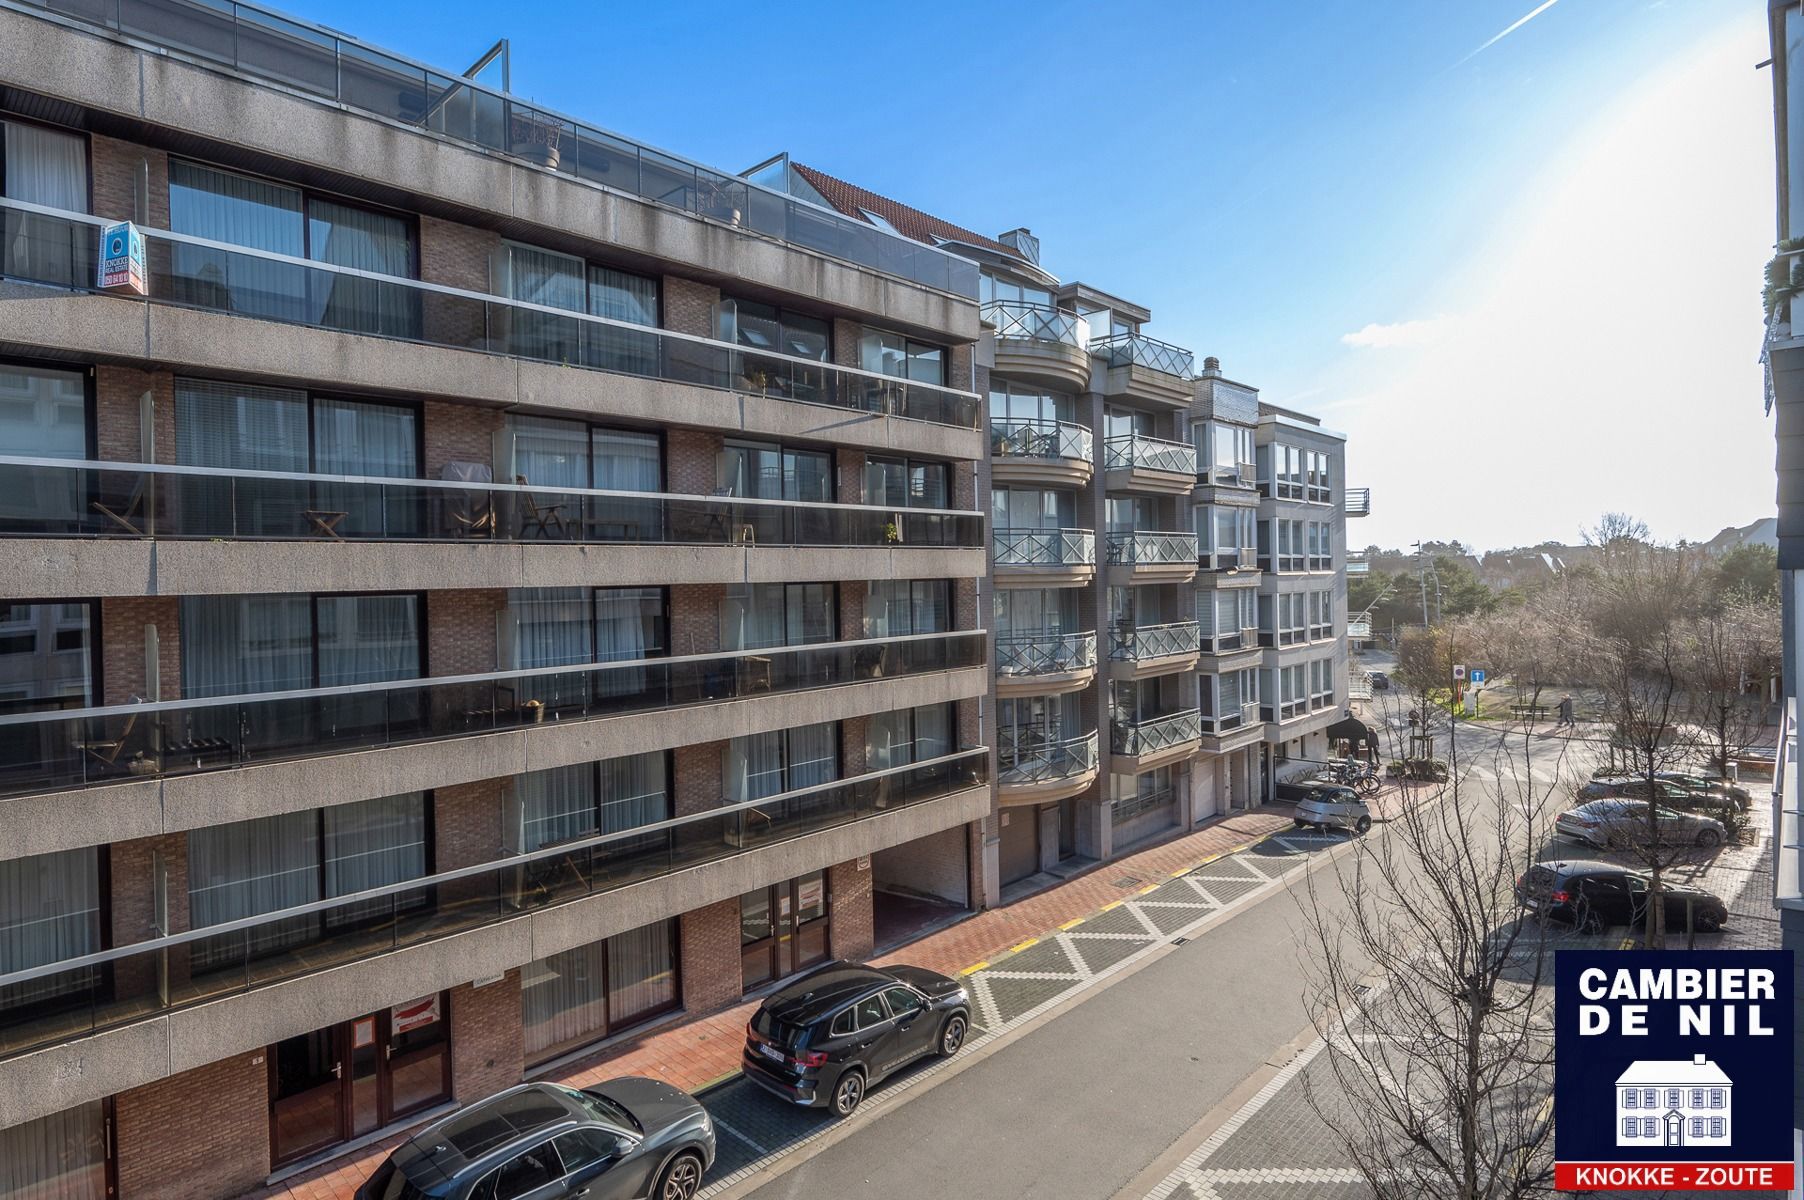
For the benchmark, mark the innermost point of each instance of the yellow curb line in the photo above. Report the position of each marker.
(1109, 905)
(974, 968)
(717, 1081)
(1072, 924)
(1018, 947)
(1151, 887)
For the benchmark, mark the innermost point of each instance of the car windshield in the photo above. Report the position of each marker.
(606, 1111)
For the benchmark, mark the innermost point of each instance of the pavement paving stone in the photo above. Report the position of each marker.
(1102, 951)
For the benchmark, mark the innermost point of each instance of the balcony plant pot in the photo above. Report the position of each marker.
(533, 139)
(533, 711)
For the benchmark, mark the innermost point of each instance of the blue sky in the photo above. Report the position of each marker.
(1272, 178)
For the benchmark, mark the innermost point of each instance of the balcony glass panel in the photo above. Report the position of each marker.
(1046, 652)
(1149, 453)
(1028, 760)
(1153, 734)
(1037, 323)
(1043, 547)
(1149, 548)
(1026, 437)
(1138, 350)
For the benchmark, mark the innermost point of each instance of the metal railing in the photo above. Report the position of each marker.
(1153, 454)
(47, 497)
(1145, 642)
(1358, 502)
(1024, 437)
(1242, 558)
(45, 245)
(1046, 652)
(316, 61)
(80, 996)
(1151, 547)
(1359, 627)
(1358, 566)
(1029, 760)
(58, 749)
(1043, 547)
(1037, 323)
(1153, 734)
(1228, 722)
(1230, 641)
(1138, 350)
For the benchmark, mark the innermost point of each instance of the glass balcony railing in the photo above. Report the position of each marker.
(1022, 321)
(1130, 450)
(1021, 437)
(1142, 548)
(318, 61)
(70, 998)
(1138, 350)
(1043, 547)
(1024, 760)
(1231, 558)
(45, 497)
(58, 749)
(1150, 735)
(1358, 502)
(1044, 652)
(1229, 640)
(59, 248)
(1230, 720)
(1145, 642)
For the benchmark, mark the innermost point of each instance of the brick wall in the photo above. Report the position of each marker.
(958, 367)
(934, 865)
(964, 486)
(698, 785)
(122, 636)
(460, 630)
(131, 881)
(709, 945)
(117, 167)
(204, 1132)
(695, 617)
(845, 341)
(692, 462)
(850, 469)
(850, 889)
(974, 838)
(118, 405)
(487, 1045)
(456, 256)
(854, 746)
(853, 597)
(689, 306)
(458, 433)
(466, 824)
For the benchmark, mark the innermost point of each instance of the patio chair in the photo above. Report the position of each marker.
(125, 515)
(540, 518)
(107, 751)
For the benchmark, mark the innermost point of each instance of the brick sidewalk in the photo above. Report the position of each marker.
(691, 1054)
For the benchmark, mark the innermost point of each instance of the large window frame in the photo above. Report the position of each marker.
(599, 955)
(46, 622)
(421, 617)
(90, 425)
(76, 272)
(881, 349)
(917, 475)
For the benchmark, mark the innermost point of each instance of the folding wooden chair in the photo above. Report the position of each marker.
(540, 518)
(122, 515)
(107, 752)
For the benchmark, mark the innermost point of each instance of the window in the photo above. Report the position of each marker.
(46, 656)
(527, 1172)
(50, 910)
(1223, 531)
(992, 288)
(754, 616)
(764, 327)
(899, 607)
(561, 627)
(1649, 1098)
(565, 804)
(59, 1157)
(764, 471)
(908, 735)
(1672, 1097)
(556, 280)
(906, 483)
(883, 353)
(1649, 1127)
(1628, 1126)
(560, 453)
(903, 1002)
(1697, 1097)
(1718, 1126)
(784, 760)
(236, 645)
(1628, 1098)
(871, 1012)
(1032, 508)
(593, 991)
(43, 414)
(44, 166)
(1017, 404)
(1282, 620)
(1716, 1097)
(1134, 796)
(845, 1024)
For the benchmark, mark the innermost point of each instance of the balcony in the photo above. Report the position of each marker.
(132, 983)
(316, 61)
(1241, 475)
(1359, 629)
(1358, 502)
(1145, 368)
(1155, 649)
(1044, 662)
(193, 510)
(1136, 463)
(1027, 450)
(58, 750)
(1035, 770)
(1143, 743)
(1232, 641)
(1152, 556)
(1036, 557)
(1234, 728)
(1040, 343)
(1233, 558)
(1358, 566)
(218, 277)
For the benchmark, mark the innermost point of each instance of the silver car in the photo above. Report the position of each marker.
(1623, 822)
(1334, 808)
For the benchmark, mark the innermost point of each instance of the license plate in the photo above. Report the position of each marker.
(770, 1052)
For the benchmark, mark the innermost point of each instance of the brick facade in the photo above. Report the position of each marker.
(118, 414)
(699, 784)
(461, 630)
(692, 461)
(849, 467)
(487, 1044)
(132, 890)
(123, 622)
(709, 943)
(936, 865)
(695, 617)
(457, 256)
(854, 746)
(124, 173)
(689, 306)
(204, 1132)
(850, 890)
(458, 433)
(466, 824)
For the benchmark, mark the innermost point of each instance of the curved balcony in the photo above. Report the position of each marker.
(1136, 463)
(1145, 368)
(116, 987)
(1040, 343)
(1140, 745)
(63, 749)
(1028, 450)
(1155, 649)
(1044, 662)
(1036, 771)
(200, 273)
(1152, 556)
(1043, 557)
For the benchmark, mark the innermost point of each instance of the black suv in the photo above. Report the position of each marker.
(825, 1038)
(621, 1140)
(1594, 895)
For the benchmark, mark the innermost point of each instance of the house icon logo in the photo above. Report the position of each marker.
(1673, 1103)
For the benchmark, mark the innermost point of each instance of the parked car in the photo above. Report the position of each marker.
(1671, 792)
(1336, 808)
(1711, 785)
(827, 1038)
(1621, 821)
(1305, 787)
(1380, 681)
(621, 1140)
(1594, 895)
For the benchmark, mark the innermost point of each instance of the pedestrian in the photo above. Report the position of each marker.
(1565, 713)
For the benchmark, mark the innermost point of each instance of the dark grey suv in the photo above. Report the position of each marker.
(627, 1139)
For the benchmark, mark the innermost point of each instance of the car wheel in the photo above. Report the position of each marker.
(681, 1179)
(1300, 824)
(848, 1092)
(953, 1035)
(1709, 922)
(1361, 825)
(1708, 838)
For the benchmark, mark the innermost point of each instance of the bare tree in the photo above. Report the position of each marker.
(1435, 995)
(1734, 651)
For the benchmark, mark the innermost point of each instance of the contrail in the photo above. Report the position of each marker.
(1541, 8)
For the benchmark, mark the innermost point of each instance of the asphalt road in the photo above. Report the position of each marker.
(1080, 1103)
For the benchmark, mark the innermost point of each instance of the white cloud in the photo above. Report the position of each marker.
(1399, 334)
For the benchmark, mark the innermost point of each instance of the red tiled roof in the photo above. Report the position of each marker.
(909, 222)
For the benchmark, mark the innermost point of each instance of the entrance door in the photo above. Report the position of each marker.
(1675, 1129)
(1019, 854)
(783, 929)
(344, 1081)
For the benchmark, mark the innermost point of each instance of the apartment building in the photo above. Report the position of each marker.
(1167, 558)
(1784, 355)
(499, 586)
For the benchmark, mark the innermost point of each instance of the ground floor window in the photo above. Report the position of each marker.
(593, 991)
(59, 1157)
(783, 929)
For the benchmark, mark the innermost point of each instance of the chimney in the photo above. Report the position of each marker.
(1697, 1060)
(1211, 368)
(1023, 242)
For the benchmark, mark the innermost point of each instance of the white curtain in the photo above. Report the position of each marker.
(562, 1001)
(368, 639)
(372, 844)
(754, 767)
(633, 792)
(243, 211)
(811, 614)
(931, 606)
(359, 438)
(751, 616)
(380, 243)
(556, 805)
(548, 627)
(49, 911)
(550, 452)
(554, 280)
(887, 609)
(813, 755)
(641, 972)
(234, 645)
(626, 462)
(628, 626)
(933, 731)
(240, 425)
(886, 741)
(58, 1157)
(48, 167)
(247, 868)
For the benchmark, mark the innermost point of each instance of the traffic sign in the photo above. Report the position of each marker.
(1476, 675)
(1459, 672)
